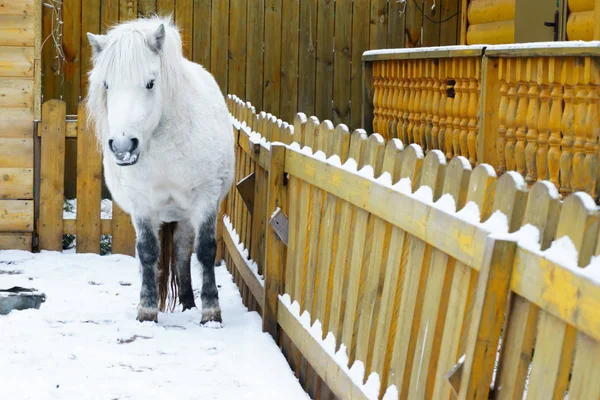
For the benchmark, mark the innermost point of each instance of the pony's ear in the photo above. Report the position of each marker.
(157, 39)
(97, 41)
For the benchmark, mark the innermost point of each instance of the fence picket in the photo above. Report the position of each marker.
(456, 183)
(52, 170)
(556, 339)
(290, 26)
(385, 327)
(314, 137)
(123, 234)
(344, 243)
(89, 187)
(184, 18)
(307, 57)
(542, 211)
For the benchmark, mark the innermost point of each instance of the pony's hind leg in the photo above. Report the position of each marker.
(206, 251)
(148, 251)
(184, 246)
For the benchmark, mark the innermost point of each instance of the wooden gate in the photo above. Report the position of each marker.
(88, 225)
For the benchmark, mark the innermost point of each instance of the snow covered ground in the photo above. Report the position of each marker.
(84, 342)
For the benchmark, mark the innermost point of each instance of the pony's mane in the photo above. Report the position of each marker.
(123, 61)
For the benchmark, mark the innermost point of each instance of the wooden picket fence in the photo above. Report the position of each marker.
(54, 129)
(424, 271)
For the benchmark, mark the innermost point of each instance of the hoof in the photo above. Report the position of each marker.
(212, 325)
(188, 306)
(147, 314)
(211, 317)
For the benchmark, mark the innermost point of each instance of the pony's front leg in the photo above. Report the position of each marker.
(148, 252)
(206, 251)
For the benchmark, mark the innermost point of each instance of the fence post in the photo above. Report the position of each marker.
(273, 270)
(89, 187)
(487, 318)
(488, 113)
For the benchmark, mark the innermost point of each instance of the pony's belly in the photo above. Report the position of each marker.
(173, 213)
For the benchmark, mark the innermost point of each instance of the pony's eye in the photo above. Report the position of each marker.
(105, 86)
(150, 84)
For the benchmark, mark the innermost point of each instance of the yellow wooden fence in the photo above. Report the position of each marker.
(54, 129)
(526, 108)
(408, 263)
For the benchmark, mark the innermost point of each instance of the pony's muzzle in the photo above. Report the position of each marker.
(125, 150)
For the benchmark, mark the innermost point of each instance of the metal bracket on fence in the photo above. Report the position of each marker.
(279, 222)
(246, 189)
(455, 375)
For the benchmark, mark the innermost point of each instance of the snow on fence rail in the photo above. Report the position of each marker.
(394, 271)
(89, 224)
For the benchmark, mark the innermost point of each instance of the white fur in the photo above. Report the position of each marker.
(186, 161)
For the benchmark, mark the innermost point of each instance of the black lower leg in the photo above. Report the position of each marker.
(184, 246)
(206, 251)
(148, 252)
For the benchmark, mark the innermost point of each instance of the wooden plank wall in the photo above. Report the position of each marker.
(19, 107)
(284, 56)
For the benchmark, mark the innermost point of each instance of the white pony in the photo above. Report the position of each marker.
(168, 155)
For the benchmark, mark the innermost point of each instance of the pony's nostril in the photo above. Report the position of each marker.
(110, 145)
(134, 144)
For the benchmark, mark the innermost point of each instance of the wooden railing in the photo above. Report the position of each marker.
(88, 225)
(428, 97)
(412, 304)
(546, 124)
(526, 108)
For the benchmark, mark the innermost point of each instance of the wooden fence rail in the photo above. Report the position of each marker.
(389, 271)
(524, 108)
(88, 225)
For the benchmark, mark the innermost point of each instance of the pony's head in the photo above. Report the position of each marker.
(135, 75)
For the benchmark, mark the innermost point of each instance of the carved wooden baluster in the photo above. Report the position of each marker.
(392, 98)
(449, 133)
(416, 133)
(431, 105)
(458, 95)
(385, 92)
(396, 98)
(592, 127)
(578, 181)
(521, 114)
(464, 110)
(425, 104)
(411, 102)
(502, 112)
(379, 96)
(473, 108)
(376, 90)
(532, 119)
(511, 116)
(403, 124)
(541, 158)
(436, 107)
(554, 71)
(566, 157)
